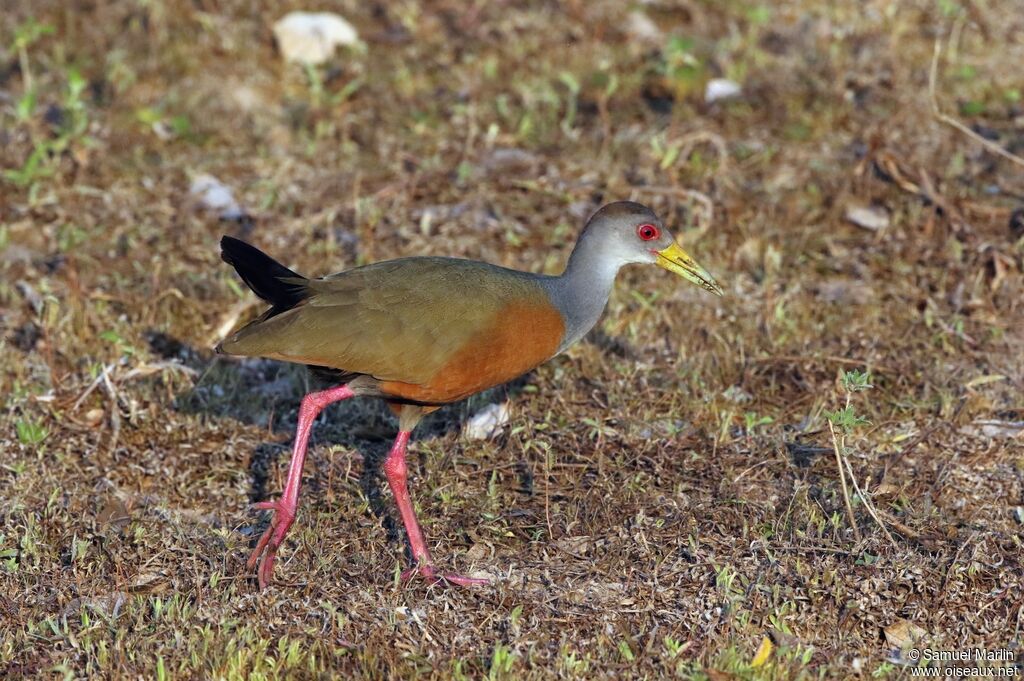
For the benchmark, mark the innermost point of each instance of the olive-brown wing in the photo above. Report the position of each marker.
(409, 321)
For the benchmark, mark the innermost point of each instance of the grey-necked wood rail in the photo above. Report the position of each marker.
(422, 332)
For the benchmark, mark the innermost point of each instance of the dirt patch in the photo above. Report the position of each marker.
(666, 494)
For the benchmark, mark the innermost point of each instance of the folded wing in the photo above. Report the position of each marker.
(414, 323)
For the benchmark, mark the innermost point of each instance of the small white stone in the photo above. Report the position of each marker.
(487, 422)
(873, 218)
(643, 28)
(718, 89)
(311, 37)
(215, 195)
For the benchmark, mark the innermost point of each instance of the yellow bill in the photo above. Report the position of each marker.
(675, 259)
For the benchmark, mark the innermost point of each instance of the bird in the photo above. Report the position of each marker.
(422, 332)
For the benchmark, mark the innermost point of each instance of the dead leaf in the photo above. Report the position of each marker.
(114, 514)
(845, 291)
(903, 633)
(478, 552)
(984, 380)
(150, 582)
(764, 651)
(107, 604)
(994, 429)
(575, 546)
(94, 417)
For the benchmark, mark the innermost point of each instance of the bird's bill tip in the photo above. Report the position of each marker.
(675, 259)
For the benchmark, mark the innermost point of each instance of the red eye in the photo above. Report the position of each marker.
(647, 232)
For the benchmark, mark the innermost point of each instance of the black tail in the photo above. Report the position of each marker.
(269, 279)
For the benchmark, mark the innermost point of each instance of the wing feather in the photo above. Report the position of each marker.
(399, 320)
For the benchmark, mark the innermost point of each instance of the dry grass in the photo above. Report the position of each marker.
(652, 511)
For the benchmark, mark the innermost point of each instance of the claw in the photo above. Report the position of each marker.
(266, 548)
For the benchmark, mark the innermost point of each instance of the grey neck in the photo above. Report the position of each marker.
(582, 291)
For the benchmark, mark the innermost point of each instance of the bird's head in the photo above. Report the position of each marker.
(627, 232)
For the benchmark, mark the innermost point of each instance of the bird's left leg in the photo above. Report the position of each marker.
(396, 471)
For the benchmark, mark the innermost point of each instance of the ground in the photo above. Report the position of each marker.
(667, 495)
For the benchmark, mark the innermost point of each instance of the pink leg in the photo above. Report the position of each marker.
(397, 473)
(285, 507)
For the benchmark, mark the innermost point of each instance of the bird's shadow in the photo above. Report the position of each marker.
(268, 393)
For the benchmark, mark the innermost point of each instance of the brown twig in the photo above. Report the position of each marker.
(115, 411)
(910, 446)
(92, 386)
(230, 319)
(842, 479)
(874, 366)
(812, 549)
(901, 527)
(954, 123)
(867, 503)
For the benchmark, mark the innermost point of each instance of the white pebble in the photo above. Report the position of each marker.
(872, 218)
(215, 195)
(721, 88)
(311, 37)
(487, 422)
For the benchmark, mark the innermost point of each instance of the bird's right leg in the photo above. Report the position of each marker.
(285, 507)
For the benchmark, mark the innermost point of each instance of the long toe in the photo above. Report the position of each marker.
(257, 552)
(430, 575)
(266, 573)
(461, 580)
